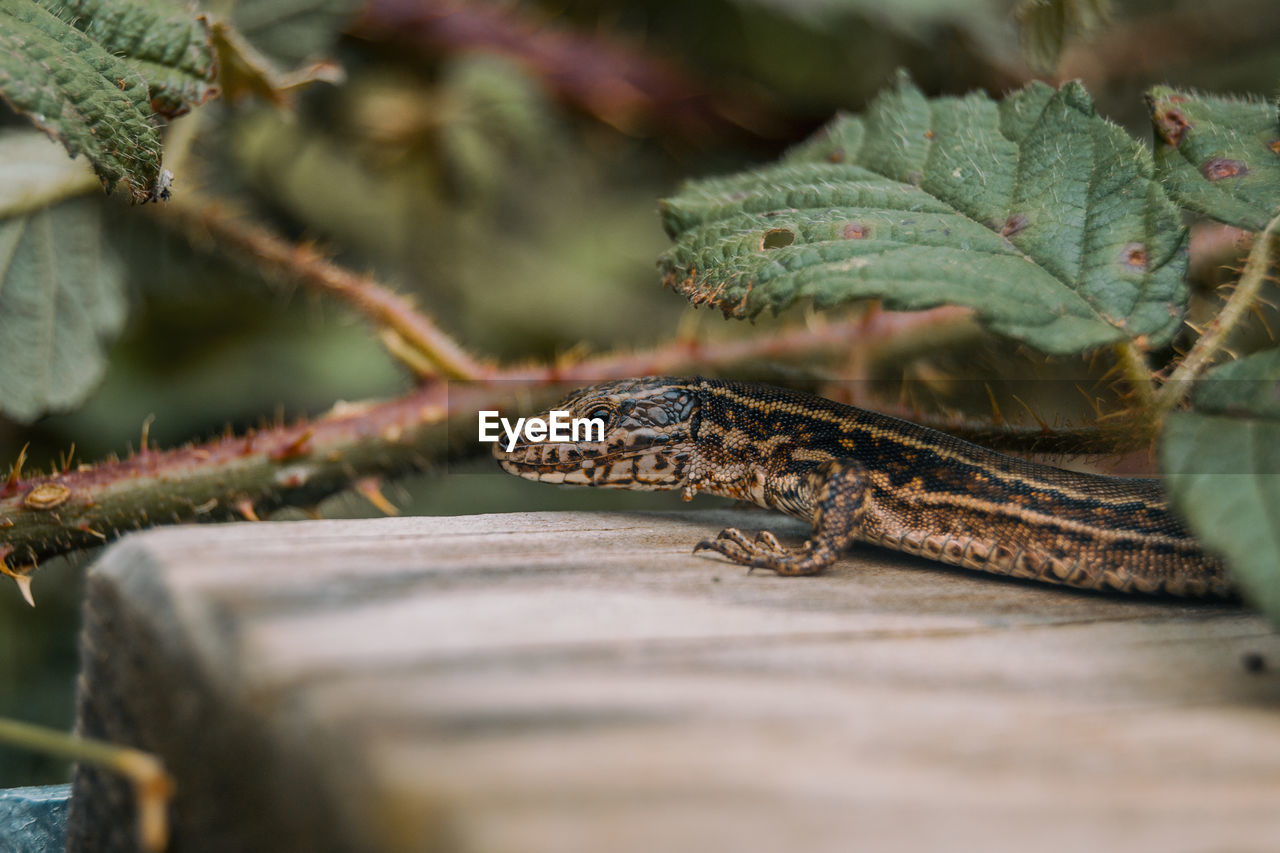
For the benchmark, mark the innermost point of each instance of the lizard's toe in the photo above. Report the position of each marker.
(734, 550)
(734, 544)
(734, 535)
(766, 541)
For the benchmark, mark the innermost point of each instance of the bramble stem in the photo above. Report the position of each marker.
(1219, 330)
(1136, 373)
(240, 476)
(202, 220)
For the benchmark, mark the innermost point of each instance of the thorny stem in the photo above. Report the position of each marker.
(1136, 373)
(202, 220)
(299, 464)
(153, 786)
(1221, 327)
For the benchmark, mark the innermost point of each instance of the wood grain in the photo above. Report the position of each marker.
(580, 681)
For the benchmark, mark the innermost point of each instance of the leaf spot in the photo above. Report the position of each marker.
(1171, 124)
(1013, 225)
(1217, 168)
(776, 238)
(1134, 256)
(855, 231)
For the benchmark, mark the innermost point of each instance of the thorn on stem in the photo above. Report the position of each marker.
(24, 586)
(15, 473)
(997, 417)
(146, 434)
(21, 574)
(1044, 427)
(244, 506)
(296, 447)
(371, 489)
(85, 528)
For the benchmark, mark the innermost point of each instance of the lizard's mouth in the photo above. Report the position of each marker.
(635, 461)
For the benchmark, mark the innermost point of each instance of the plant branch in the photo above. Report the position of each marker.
(43, 516)
(1220, 328)
(203, 221)
(48, 515)
(152, 785)
(1136, 374)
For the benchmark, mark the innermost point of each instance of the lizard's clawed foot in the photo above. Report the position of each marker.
(765, 552)
(735, 545)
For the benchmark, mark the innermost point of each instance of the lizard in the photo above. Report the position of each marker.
(861, 476)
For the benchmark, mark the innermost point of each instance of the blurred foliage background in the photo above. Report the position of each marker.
(501, 161)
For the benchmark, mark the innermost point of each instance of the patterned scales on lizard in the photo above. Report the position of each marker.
(857, 475)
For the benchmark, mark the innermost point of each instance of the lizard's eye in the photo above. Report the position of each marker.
(599, 415)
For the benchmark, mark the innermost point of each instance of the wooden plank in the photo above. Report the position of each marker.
(580, 681)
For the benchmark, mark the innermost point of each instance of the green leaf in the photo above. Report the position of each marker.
(1046, 25)
(499, 119)
(61, 304)
(1221, 465)
(94, 86)
(61, 287)
(160, 39)
(293, 31)
(1219, 156)
(35, 172)
(270, 50)
(1035, 212)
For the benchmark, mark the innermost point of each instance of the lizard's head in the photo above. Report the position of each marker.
(649, 426)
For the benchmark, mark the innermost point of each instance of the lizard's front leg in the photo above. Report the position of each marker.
(840, 505)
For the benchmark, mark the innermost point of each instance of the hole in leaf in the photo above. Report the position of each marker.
(776, 238)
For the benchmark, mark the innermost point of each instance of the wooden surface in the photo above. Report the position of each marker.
(581, 682)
